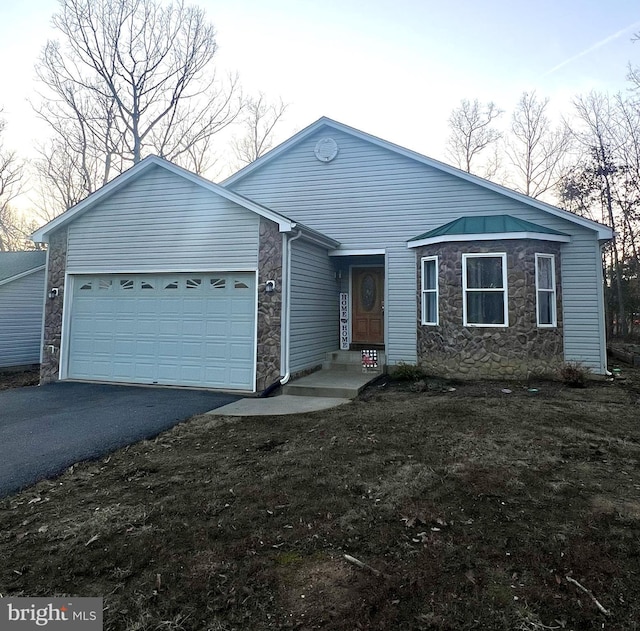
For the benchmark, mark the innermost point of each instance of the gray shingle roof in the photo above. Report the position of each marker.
(14, 263)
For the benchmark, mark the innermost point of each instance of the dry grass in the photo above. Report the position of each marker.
(475, 506)
(19, 378)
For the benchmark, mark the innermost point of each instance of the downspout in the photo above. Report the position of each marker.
(285, 337)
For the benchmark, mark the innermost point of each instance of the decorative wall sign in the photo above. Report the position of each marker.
(369, 361)
(344, 322)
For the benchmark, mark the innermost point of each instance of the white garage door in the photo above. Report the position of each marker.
(172, 329)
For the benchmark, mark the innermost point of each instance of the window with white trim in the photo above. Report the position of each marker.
(430, 290)
(484, 290)
(546, 290)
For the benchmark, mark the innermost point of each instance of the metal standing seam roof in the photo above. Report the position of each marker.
(486, 224)
(16, 263)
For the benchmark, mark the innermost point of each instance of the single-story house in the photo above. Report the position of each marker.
(334, 239)
(22, 276)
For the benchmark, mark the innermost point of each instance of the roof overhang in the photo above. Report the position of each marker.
(42, 234)
(313, 236)
(357, 252)
(22, 275)
(487, 236)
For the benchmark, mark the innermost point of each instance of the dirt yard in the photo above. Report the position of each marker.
(469, 508)
(19, 379)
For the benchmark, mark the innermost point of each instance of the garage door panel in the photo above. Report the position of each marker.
(238, 328)
(240, 352)
(216, 351)
(127, 308)
(143, 349)
(240, 308)
(144, 371)
(168, 373)
(169, 327)
(175, 329)
(121, 371)
(192, 350)
(167, 348)
(146, 326)
(193, 327)
(217, 328)
(238, 376)
(214, 374)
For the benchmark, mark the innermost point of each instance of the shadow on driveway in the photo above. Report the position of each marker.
(45, 429)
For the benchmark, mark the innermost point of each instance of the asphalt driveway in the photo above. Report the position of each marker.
(45, 429)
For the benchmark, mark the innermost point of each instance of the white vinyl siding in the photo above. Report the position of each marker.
(430, 290)
(546, 290)
(314, 306)
(370, 197)
(163, 222)
(168, 329)
(21, 307)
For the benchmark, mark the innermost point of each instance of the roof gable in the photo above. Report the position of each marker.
(135, 172)
(15, 265)
(603, 232)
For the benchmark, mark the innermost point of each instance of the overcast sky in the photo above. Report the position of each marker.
(393, 68)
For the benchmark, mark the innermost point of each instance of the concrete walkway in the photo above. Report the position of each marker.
(278, 406)
(334, 383)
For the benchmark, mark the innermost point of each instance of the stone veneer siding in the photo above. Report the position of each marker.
(517, 351)
(57, 264)
(269, 305)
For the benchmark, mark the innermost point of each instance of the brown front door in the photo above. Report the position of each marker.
(367, 323)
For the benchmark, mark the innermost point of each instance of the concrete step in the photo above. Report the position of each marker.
(354, 368)
(350, 361)
(330, 383)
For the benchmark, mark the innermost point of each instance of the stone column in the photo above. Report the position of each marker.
(57, 264)
(269, 304)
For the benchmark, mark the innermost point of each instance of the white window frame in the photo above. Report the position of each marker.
(552, 291)
(503, 289)
(426, 291)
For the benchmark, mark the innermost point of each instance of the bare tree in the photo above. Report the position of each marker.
(129, 78)
(599, 178)
(536, 151)
(471, 134)
(258, 124)
(12, 229)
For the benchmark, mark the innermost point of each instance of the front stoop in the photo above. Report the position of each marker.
(341, 376)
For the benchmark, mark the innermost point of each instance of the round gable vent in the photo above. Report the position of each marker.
(326, 149)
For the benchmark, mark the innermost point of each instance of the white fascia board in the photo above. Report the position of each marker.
(21, 275)
(357, 252)
(41, 235)
(494, 236)
(604, 232)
